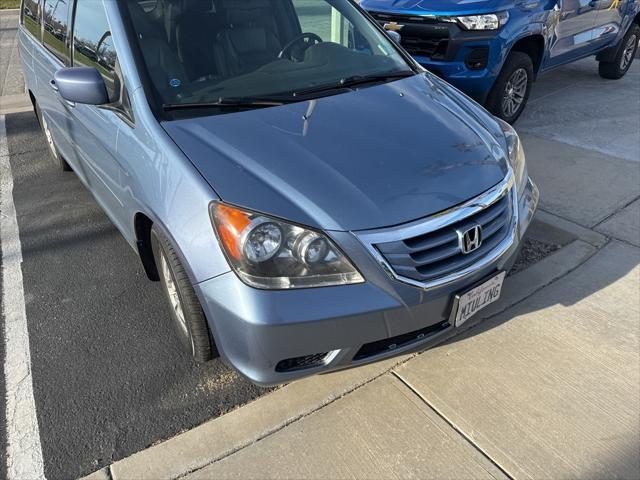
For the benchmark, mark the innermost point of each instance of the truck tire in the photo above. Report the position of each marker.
(53, 150)
(188, 318)
(512, 88)
(625, 54)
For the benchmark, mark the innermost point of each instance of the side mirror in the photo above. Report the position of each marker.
(81, 85)
(395, 36)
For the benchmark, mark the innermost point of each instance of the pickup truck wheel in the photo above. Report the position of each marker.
(511, 90)
(188, 318)
(616, 68)
(53, 150)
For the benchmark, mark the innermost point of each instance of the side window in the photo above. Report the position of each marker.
(93, 43)
(31, 17)
(314, 18)
(55, 14)
(325, 21)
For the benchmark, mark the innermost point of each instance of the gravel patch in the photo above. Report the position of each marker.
(532, 252)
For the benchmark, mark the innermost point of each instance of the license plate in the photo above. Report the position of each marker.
(477, 298)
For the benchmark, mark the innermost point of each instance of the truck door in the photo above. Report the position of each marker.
(610, 14)
(573, 34)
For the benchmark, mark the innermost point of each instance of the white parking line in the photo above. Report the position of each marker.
(24, 451)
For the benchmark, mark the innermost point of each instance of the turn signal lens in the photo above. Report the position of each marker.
(269, 253)
(515, 153)
(231, 223)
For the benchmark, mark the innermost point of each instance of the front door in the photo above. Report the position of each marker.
(95, 129)
(573, 36)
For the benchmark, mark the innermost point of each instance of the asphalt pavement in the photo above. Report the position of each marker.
(109, 378)
(3, 393)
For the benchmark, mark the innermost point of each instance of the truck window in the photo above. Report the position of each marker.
(93, 43)
(55, 16)
(31, 17)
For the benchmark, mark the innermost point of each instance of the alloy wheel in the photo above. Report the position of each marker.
(514, 92)
(628, 52)
(49, 138)
(174, 298)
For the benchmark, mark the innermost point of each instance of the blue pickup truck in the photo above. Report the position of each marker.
(493, 50)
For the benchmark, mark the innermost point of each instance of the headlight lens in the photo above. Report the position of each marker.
(273, 254)
(516, 155)
(491, 21)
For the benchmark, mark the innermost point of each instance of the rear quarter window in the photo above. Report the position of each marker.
(31, 17)
(55, 15)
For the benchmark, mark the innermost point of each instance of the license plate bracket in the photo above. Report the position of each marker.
(468, 303)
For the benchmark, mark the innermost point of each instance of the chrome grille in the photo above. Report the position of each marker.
(436, 254)
(427, 253)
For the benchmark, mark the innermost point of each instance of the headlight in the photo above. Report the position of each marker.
(491, 21)
(273, 254)
(516, 155)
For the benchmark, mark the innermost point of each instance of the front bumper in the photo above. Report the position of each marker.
(326, 329)
(469, 60)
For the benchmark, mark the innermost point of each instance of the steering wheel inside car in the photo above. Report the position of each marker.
(305, 40)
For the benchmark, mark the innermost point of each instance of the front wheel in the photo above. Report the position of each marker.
(188, 318)
(621, 63)
(53, 150)
(512, 88)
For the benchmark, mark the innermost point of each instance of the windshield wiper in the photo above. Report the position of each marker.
(231, 103)
(355, 80)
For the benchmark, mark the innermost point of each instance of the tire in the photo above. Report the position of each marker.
(626, 51)
(53, 150)
(512, 88)
(188, 318)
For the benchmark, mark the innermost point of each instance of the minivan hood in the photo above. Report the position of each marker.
(441, 7)
(375, 157)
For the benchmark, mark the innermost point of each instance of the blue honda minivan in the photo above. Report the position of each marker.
(309, 197)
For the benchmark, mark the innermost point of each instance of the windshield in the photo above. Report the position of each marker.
(234, 51)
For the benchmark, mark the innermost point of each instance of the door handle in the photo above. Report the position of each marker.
(55, 88)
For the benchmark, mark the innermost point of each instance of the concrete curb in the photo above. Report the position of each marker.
(15, 104)
(225, 435)
(562, 231)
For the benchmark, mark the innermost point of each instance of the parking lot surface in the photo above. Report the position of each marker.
(109, 378)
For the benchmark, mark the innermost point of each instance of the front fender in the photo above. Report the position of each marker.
(529, 30)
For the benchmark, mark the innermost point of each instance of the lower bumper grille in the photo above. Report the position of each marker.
(299, 363)
(399, 341)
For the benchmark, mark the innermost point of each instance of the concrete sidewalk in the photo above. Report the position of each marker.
(535, 392)
(13, 98)
(547, 387)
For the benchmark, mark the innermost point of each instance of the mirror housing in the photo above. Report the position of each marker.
(81, 85)
(395, 36)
